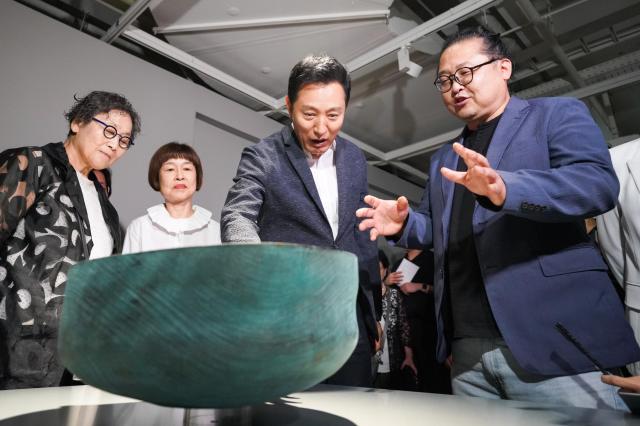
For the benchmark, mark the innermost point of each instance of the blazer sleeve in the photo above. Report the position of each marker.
(369, 255)
(418, 229)
(18, 183)
(239, 217)
(580, 182)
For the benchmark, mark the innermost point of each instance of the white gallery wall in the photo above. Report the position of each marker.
(43, 63)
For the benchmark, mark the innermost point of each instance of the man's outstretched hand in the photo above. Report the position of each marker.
(383, 217)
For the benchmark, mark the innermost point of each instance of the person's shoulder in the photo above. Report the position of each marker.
(626, 150)
(138, 222)
(203, 215)
(28, 151)
(266, 150)
(554, 102)
(349, 147)
(28, 159)
(556, 109)
(273, 142)
(212, 225)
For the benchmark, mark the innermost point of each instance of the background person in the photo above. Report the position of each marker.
(418, 300)
(618, 233)
(175, 171)
(395, 354)
(51, 217)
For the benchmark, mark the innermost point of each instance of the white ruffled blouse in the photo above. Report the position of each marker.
(157, 230)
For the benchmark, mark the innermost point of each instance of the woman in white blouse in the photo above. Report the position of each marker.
(175, 171)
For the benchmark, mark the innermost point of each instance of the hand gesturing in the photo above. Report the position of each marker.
(479, 178)
(384, 217)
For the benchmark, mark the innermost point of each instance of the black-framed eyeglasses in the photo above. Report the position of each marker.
(463, 76)
(111, 132)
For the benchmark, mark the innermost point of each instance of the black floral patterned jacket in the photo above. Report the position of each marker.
(397, 326)
(42, 223)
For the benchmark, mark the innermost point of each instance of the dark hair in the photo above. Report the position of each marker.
(96, 102)
(167, 152)
(493, 44)
(107, 178)
(322, 69)
(382, 257)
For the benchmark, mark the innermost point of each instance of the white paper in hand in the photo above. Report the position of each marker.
(408, 269)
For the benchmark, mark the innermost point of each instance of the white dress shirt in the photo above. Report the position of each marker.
(324, 174)
(100, 234)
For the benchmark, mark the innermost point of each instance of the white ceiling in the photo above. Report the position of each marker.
(245, 49)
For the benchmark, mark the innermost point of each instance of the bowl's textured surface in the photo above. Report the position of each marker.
(219, 326)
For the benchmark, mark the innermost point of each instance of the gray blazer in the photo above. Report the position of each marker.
(274, 198)
(626, 162)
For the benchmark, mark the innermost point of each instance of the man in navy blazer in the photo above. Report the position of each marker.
(504, 210)
(304, 184)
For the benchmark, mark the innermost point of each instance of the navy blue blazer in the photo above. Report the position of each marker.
(536, 261)
(274, 198)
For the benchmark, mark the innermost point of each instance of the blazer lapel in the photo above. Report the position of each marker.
(450, 161)
(299, 162)
(345, 177)
(512, 119)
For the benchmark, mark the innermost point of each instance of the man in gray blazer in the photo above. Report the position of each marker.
(303, 185)
(619, 233)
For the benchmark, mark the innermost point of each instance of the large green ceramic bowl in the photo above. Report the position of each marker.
(220, 326)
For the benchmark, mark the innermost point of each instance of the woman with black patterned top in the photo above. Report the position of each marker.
(396, 368)
(52, 216)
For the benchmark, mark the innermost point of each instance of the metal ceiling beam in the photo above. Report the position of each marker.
(581, 93)
(542, 50)
(594, 46)
(457, 13)
(604, 86)
(546, 15)
(422, 146)
(410, 169)
(383, 180)
(364, 146)
(613, 125)
(196, 64)
(274, 22)
(573, 74)
(400, 166)
(125, 20)
(453, 15)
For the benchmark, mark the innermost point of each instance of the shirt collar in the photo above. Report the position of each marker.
(324, 159)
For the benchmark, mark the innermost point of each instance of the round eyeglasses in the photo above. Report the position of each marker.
(111, 132)
(463, 76)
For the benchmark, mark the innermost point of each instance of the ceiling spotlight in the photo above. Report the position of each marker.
(405, 64)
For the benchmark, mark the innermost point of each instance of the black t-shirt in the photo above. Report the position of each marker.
(470, 309)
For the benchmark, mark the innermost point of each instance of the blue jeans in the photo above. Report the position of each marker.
(487, 368)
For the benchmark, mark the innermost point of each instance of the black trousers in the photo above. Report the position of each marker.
(358, 370)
